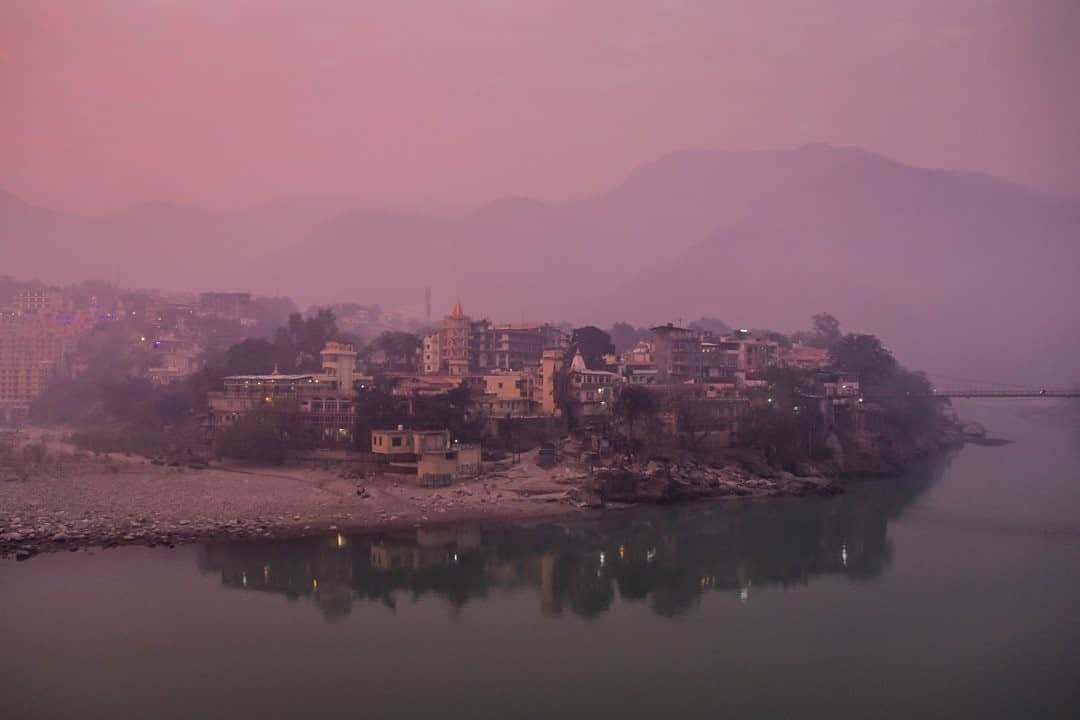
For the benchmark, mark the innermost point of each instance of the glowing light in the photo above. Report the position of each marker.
(314, 583)
(266, 572)
(602, 558)
(622, 552)
(843, 554)
(650, 555)
(341, 540)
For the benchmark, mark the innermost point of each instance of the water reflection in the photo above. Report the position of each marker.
(667, 558)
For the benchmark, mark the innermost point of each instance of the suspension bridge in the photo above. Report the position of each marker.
(957, 387)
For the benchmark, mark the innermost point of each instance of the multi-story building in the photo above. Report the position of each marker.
(323, 400)
(508, 393)
(34, 300)
(550, 365)
(683, 355)
(457, 347)
(464, 346)
(641, 355)
(514, 347)
(227, 305)
(34, 349)
(172, 358)
(590, 392)
(805, 357)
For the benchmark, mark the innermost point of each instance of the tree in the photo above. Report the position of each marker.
(713, 326)
(826, 331)
(251, 357)
(865, 356)
(265, 435)
(376, 409)
(593, 343)
(633, 403)
(303, 338)
(777, 337)
(400, 350)
(625, 336)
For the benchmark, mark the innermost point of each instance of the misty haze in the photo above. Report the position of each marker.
(521, 359)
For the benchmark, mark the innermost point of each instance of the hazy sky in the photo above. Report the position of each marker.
(224, 103)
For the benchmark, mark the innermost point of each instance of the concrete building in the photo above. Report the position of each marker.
(457, 347)
(34, 300)
(683, 355)
(805, 357)
(641, 355)
(504, 394)
(550, 364)
(172, 359)
(514, 347)
(339, 367)
(325, 401)
(35, 348)
(463, 346)
(227, 305)
(591, 392)
(406, 444)
(436, 461)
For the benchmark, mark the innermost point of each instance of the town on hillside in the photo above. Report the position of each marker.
(193, 378)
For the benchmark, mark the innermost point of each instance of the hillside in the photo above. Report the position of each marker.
(758, 238)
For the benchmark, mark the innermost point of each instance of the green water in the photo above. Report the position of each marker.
(952, 592)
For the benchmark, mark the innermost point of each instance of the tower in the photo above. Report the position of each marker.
(339, 362)
(457, 331)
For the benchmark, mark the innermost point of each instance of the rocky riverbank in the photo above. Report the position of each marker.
(108, 501)
(76, 500)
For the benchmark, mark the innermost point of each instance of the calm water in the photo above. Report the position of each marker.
(954, 592)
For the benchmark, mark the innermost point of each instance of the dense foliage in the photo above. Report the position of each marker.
(593, 343)
(266, 436)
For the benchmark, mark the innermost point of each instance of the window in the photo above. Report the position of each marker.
(396, 442)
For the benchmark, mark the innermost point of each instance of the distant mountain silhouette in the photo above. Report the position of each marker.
(156, 244)
(956, 270)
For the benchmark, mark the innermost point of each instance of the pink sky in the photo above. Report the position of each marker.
(226, 103)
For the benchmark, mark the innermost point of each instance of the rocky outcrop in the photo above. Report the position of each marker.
(663, 482)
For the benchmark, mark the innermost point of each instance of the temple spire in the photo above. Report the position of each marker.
(457, 313)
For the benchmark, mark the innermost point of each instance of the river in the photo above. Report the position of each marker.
(951, 592)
